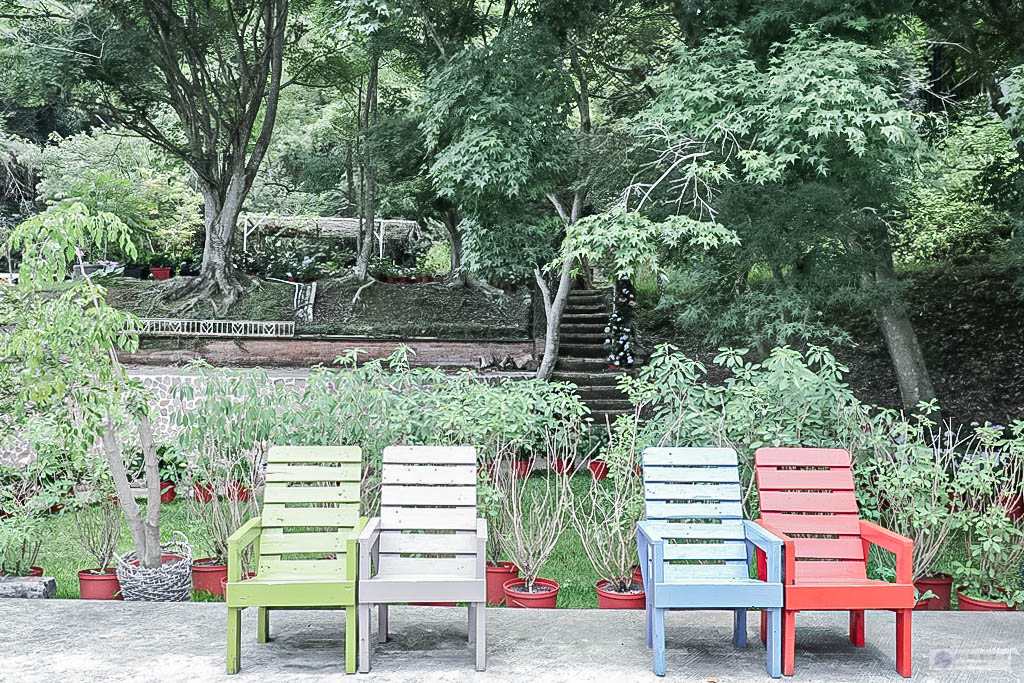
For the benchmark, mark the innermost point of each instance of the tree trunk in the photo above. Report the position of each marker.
(370, 176)
(901, 340)
(145, 533)
(553, 309)
(451, 224)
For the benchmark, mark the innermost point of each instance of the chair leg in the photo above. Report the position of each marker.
(774, 638)
(350, 639)
(382, 622)
(739, 628)
(659, 641)
(649, 623)
(903, 641)
(234, 639)
(857, 627)
(472, 621)
(788, 642)
(262, 625)
(480, 626)
(764, 626)
(364, 637)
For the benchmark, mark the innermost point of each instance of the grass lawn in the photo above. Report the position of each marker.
(62, 557)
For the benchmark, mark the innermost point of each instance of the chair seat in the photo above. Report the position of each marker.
(710, 594)
(389, 588)
(843, 594)
(280, 590)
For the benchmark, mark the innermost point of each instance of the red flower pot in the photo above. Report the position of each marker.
(209, 576)
(239, 491)
(968, 604)
(563, 466)
(161, 273)
(613, 367)
(390, 280)
(202, 492)
(521, 468)
(34, 571)
(598, 468)
(608, 599)
(167, 492)
(542, 599)
(497, 575)
(96, 585)
(1014, 507)
(638, 575)
(941, 585)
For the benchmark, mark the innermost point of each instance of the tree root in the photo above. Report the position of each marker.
(222, 288)
(361, 288)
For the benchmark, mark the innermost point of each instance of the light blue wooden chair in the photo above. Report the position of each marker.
(695, 547)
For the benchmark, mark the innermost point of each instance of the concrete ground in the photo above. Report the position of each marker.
(81, 640)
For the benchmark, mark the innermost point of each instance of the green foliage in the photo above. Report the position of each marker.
(125, 176)
(437, 260)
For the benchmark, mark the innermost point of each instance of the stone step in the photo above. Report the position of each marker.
(575, 293)
(586, 307)
(581, 364)
(578, 318)
(583, 378)
(582, 350)
(582, 328)
(577, 338)
(602, 418)
(609, 405)
(599, 392)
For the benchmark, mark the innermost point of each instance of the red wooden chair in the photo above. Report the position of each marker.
(807, 500)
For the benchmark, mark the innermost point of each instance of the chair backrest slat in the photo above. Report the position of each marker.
(808, 493)
(428, 511)
(310, 509)
(693, 495)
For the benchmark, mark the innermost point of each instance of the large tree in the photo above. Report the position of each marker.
(200, 78)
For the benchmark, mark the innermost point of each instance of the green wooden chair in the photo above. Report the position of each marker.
(304, 544)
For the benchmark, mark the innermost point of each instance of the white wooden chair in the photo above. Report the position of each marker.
(428, 544)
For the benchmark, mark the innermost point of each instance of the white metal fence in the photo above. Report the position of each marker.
(171, 327)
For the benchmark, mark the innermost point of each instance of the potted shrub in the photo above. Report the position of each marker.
(21, 536)
(98, 530)
(161, 266)
(538, 513)
(988, 480)
(498, 571)
(995, 549)
(137, 271)
(216, 518)
(66, 386)
(606, 523)
(906, 487)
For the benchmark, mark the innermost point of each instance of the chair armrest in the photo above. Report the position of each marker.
(900, 546)
(239, 541)
(352, 551)
(651, 545)
(369, 539)
(770, 544)
(481, 548)
(788, 553)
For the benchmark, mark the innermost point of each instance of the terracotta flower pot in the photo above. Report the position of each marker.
(609, 599)
(167, 492)
(497, 575)
(542, 599)
(941, 585)
(209, 576)
(96, 585)
(521, 468)
(202, 492)
(34, 571)
(969, 604)
(160, 273)
(598, 468)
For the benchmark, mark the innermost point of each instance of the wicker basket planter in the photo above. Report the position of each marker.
(170, 582)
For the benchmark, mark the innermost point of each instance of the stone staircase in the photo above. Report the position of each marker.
(582, 355)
